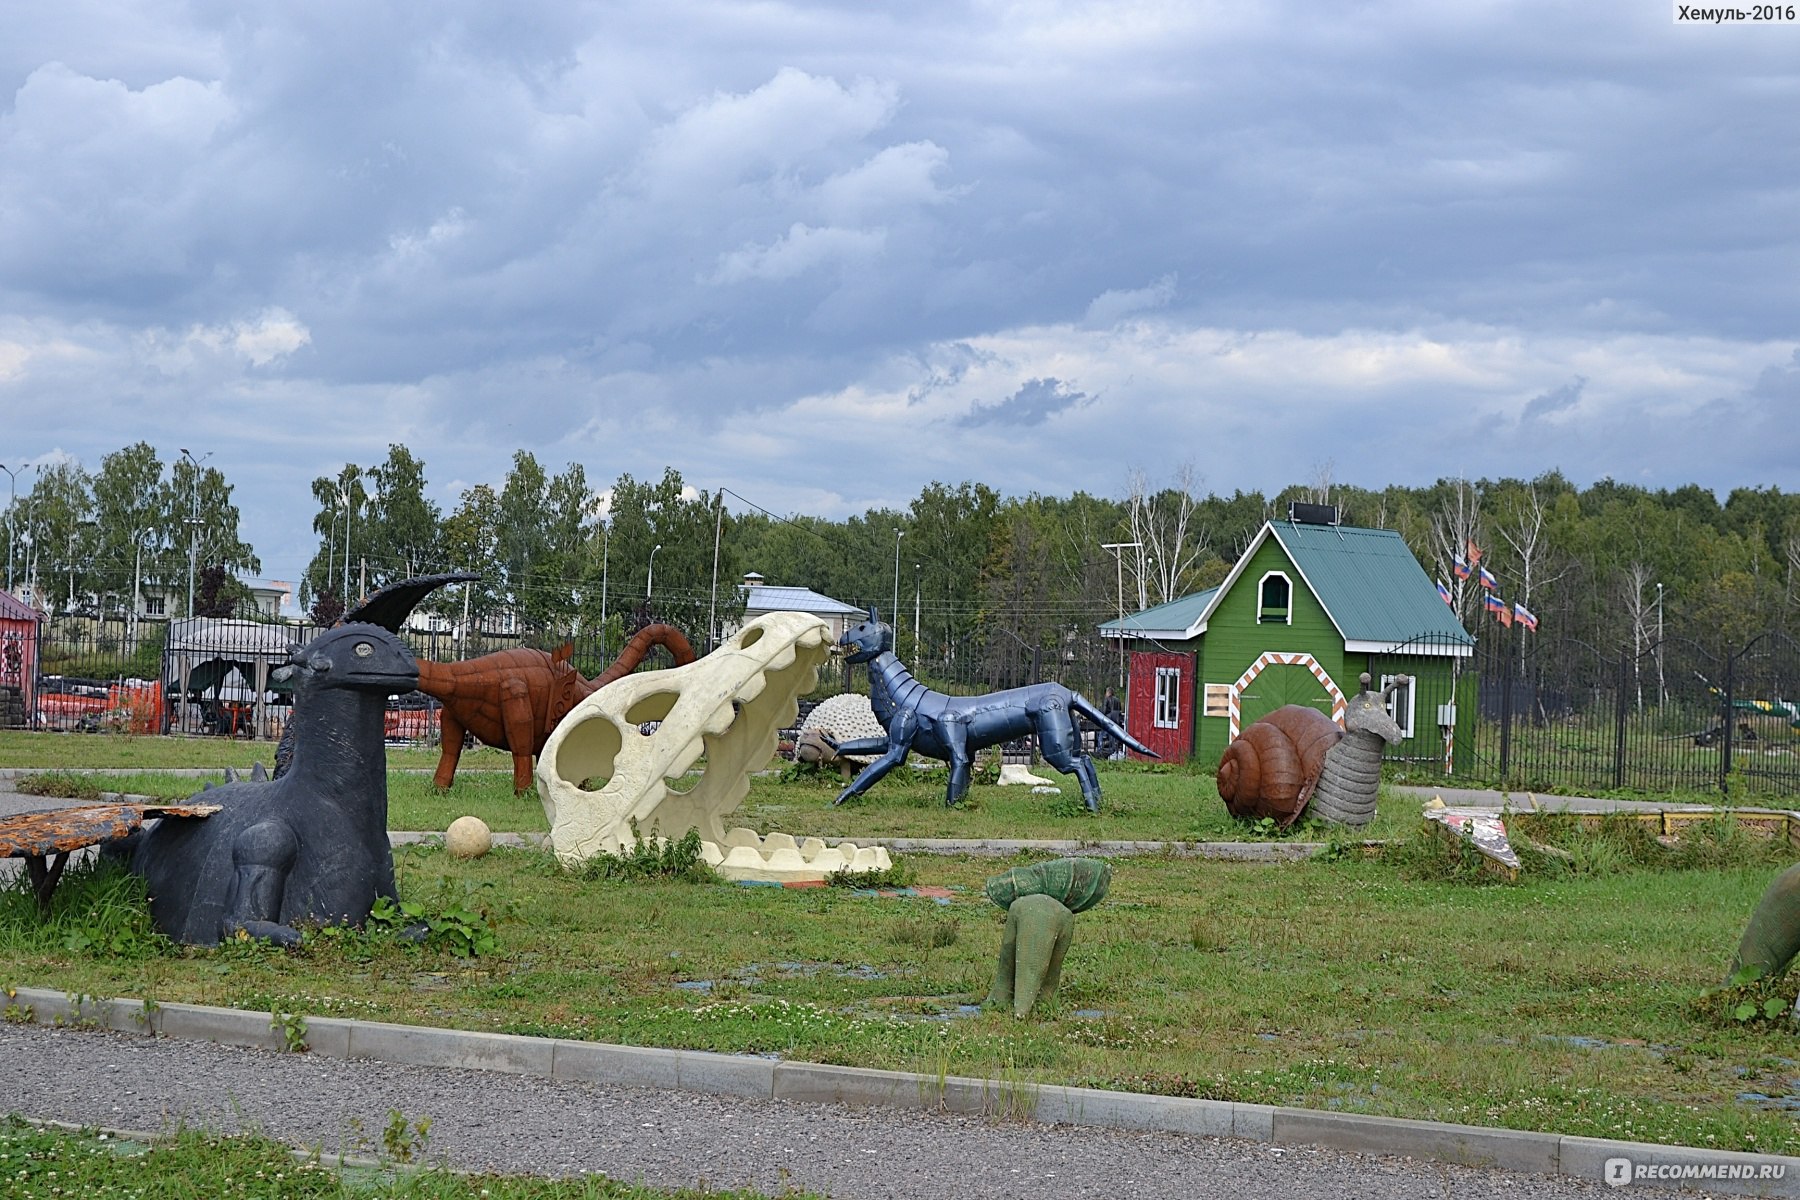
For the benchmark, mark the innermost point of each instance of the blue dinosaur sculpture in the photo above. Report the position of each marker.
(953, 728)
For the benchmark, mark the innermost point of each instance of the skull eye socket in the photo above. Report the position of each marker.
(364, 649)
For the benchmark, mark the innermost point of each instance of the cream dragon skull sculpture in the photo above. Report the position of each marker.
(729, 706)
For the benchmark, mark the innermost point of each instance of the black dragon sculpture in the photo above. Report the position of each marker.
(311, 846)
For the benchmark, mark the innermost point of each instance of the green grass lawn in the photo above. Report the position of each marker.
(1567, 1003)
(112, 751)
(41, 1164)
(1141, 803)
(1564, 1005)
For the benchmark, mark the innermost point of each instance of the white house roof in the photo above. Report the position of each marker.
(763, 598)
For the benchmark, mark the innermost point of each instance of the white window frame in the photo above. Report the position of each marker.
(1167, 713)
(1409, 689)
(1288, 618)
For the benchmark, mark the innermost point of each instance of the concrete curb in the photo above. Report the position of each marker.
(750, 1077)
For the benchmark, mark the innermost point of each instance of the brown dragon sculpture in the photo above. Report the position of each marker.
(513, 699)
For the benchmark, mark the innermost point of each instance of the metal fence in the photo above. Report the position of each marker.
(217, 678)
(1672, 716)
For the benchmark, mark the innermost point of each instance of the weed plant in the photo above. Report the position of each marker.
(99, 908)
(652, 858)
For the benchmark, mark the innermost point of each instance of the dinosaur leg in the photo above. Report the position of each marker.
(450, 740)
(521, 731)
(899, 742)
(1063, 751)
(1773, 935)
(1038, 931)
(261, 857)
(866, 778)
(955, 736)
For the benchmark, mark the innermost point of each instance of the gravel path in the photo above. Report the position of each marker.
(518, 1124)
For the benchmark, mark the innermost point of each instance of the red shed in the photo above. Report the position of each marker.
(20, 626)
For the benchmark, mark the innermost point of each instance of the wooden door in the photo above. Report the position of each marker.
(1160, 704)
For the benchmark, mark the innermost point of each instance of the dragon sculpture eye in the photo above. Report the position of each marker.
(364, 649)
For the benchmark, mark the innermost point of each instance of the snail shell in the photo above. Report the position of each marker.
(1271, 769)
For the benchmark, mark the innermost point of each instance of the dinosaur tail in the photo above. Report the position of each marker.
(666, 636)
(1080, 704)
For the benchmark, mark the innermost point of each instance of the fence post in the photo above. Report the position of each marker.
(1725, 727)
(1506, 685)
(1621, 710)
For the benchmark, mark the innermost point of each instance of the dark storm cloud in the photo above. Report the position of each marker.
(1036, 401)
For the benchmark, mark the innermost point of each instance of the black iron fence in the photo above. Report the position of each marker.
(1672, 716)
(1511, 711)
(219, 677)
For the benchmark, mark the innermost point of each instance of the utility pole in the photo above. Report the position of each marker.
(193, 521)
(1118, 550)
(894, 612)
(605, 556)
(712, 612)
(650, 576)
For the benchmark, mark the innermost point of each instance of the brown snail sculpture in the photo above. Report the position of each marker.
(1297, 756)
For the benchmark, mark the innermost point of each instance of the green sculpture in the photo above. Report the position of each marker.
(1773, 936)
(1041, 902)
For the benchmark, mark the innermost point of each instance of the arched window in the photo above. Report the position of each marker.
(1274, 599)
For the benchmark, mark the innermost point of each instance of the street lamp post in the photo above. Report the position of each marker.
(650, 576)
(915, 611)
(1118, 550)
(193, 521)
(894, 612)
(1661, 697)
(349, 500)
(11, 517)
(605, 560)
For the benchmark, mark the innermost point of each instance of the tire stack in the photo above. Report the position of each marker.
(12, 708)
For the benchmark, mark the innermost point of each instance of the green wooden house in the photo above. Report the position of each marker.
(1309, 607)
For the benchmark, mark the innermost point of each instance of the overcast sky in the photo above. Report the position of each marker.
(823, 254)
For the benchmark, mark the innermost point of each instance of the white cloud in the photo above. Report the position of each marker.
(770, 129)
(800, 249)
(1113, 305)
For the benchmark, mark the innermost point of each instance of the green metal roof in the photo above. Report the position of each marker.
(1367, 580)
(1369, 583)
(1176, 615)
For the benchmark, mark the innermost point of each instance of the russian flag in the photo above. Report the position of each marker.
(1487, 578)
(1524, 617)
(1474, 552)
(1444, 593)
(1495, 605)
(1459, 567)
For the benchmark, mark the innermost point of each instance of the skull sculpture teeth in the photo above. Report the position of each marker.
(729, 706)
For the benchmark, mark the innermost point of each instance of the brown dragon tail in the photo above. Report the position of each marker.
(650, 635)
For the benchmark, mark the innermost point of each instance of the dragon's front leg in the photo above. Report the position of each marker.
(261, 858)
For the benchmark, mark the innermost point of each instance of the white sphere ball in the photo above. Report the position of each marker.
(468, 837)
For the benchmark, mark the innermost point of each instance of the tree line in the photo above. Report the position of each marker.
(983, 588)
(93, 541)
